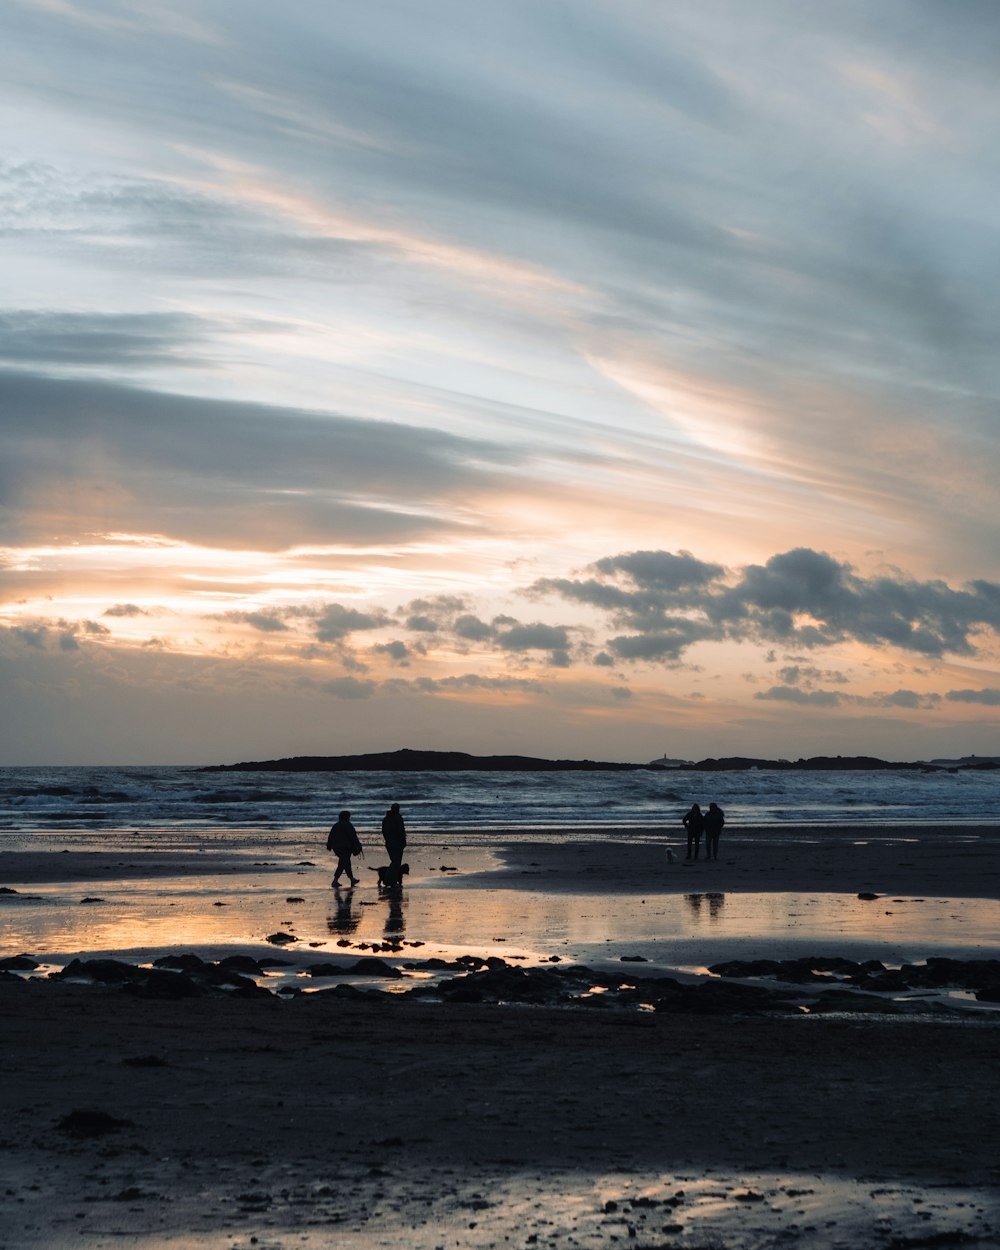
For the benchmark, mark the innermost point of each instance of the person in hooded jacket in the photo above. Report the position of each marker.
(343, 840)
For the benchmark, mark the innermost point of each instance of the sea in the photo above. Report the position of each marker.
(173, 800)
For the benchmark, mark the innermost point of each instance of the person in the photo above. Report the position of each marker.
(394, 836)
(694, 822)
(715, 818)
(343, 840)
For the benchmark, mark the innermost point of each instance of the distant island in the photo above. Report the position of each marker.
(410, 761)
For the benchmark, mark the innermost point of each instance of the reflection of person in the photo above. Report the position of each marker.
(343, 840)
(715, 818)
(714, 900)
(343, 920)
(394, 836)
(694, 822)
(395, 921)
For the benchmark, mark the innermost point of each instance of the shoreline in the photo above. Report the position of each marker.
(960, 862)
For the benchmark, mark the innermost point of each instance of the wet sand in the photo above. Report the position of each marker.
(960, 862)
(324, 1120)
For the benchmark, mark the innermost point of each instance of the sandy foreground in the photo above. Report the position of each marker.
(324, 1121)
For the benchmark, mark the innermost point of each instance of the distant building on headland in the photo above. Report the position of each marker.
(666, 762)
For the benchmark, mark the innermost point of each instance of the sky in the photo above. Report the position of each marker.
(570, 378)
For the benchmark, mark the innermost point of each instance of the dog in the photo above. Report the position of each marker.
(391, 878)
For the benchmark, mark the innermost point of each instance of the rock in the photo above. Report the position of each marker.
(747, 968)
(280, 939)
(372, 967)
(714, 998)
(868, 897)
(241, 963)
(160, 984)
(184, 963)
(294, 899)
(107, 971)
(18, 963)
(89, 1122)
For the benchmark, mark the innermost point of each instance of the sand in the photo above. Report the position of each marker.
(323, 1121)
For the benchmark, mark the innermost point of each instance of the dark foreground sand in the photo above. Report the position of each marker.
(320, 1121)
(323, 1121)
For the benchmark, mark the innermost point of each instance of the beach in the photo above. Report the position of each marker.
(350, 1116)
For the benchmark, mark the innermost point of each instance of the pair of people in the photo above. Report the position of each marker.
(343, 840)
(709, 823)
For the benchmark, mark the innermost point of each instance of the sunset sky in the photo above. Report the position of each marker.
(562, 377)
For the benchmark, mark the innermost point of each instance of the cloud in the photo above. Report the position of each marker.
(397, 651)
(536, 637)
(95, 456)
(125, 610)
(805, 698)
(349, 688)
(989, 696)
(800, 598)
(833, 698)
(429, 615)
(473, 629)
(469, 682)
(94, 340)
(267, 621)
(337, 622)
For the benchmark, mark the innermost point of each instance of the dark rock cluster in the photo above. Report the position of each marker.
(978, 976)
(172, 977)
(815, 984)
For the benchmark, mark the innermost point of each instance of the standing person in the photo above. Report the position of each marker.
(694, 822)
(714, 819)
(343, 840)
(394, 836)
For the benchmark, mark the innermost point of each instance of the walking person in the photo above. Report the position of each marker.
(343, 840)
(714, 819)
(394, 836)
(694, 822)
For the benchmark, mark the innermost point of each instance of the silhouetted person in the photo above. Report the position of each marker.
(343, 840)
(714, 819)
(694, 822)
(394, 836)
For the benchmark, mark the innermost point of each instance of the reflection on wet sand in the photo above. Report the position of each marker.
(343, 919)
(714, 900)
(395, 921)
